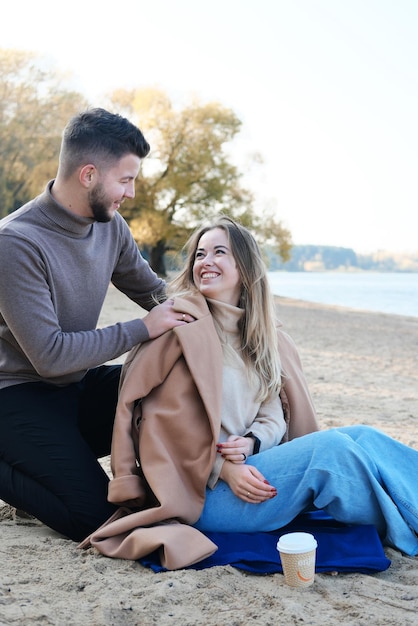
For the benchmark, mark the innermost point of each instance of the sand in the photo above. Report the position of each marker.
(362, 368)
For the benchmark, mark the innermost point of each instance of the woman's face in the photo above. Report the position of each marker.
(215, 272)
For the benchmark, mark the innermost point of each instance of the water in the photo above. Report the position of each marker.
(395, 293)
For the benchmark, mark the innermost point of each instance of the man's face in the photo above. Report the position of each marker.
(112, 187)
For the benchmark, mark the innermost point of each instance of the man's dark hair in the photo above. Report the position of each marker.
(99, 137)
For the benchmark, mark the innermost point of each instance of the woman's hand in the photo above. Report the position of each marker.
(247, 482)
(236, 449)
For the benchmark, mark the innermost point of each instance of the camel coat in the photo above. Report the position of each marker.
(164, 441)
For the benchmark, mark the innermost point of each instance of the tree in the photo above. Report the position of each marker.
(188, 176)
(34, 108)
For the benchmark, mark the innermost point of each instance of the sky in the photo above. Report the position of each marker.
(327, 92)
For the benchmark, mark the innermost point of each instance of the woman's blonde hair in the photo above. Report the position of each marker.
(258, 325)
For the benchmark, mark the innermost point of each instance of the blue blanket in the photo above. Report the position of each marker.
(341, 548)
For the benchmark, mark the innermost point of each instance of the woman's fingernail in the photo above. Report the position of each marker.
(267, 482)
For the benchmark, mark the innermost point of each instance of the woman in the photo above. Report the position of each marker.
(207, 400)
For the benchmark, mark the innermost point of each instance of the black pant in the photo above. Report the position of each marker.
(50, 440)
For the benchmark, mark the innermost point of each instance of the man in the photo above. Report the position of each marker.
(58, 254)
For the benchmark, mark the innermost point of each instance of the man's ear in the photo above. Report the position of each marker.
(87, 175)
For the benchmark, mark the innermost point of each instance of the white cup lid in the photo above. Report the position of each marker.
(294, 543)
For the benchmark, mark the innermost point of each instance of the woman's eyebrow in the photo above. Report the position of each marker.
(217, 245)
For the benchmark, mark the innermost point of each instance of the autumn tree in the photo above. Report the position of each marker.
(189, 175)
(34, 108)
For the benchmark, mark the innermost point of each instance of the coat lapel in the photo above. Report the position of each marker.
(202, 351)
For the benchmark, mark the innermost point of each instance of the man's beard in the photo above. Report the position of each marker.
(100, 204)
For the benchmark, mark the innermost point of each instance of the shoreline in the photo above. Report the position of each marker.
(361, 368)
(338, 307)
(374, 292)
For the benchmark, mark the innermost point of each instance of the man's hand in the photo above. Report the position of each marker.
(163, 317)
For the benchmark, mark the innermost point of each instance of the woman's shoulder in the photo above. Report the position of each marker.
(192, 303)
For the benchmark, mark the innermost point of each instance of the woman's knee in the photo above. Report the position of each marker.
(360, 431)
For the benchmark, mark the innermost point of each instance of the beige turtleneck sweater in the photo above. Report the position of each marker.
(241, 413)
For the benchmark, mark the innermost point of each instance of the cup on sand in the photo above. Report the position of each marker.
(297, 554)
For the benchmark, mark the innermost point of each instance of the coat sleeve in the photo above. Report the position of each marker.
(296, 399)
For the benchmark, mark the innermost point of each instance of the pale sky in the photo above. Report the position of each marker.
(326, 89)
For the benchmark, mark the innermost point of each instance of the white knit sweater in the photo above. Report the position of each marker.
(241, 413)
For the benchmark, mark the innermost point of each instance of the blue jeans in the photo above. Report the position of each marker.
(356, 474)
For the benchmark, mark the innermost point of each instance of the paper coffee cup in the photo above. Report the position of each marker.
(297, 554)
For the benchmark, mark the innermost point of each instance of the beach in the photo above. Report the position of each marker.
(362, 369)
